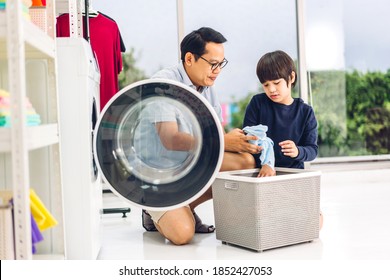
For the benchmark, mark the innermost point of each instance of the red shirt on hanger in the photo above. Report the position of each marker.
(105, 42)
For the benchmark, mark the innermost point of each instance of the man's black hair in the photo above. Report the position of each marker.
(195, 42)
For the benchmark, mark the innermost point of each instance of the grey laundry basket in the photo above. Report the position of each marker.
(269, 212)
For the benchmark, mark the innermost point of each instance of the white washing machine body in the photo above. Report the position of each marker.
(78, 86)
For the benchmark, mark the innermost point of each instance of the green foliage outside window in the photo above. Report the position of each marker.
(368, 111)
(130, 72)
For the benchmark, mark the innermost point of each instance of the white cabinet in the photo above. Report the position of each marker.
(30, 156)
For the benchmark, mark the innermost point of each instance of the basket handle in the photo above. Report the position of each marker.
(231, 185)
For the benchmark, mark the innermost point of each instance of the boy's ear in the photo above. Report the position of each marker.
(292, 77)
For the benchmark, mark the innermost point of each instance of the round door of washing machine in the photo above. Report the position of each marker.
(158, 144)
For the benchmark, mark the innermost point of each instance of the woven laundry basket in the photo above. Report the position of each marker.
(269, 212)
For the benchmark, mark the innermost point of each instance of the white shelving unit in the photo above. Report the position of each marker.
(30, 156)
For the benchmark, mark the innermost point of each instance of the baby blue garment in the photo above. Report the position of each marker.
(267, 155)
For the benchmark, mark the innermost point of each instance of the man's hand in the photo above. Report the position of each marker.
(237, 141)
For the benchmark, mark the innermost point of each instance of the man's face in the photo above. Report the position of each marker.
(200, 71)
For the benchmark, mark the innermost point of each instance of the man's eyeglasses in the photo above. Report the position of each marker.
(217, 64)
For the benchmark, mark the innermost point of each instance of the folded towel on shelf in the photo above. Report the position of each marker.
(32, 118)
(267, 155)
(4, 121)
(4, 93)
(26, 4)
(4, 102)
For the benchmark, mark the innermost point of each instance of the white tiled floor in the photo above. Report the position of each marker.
(356, 206)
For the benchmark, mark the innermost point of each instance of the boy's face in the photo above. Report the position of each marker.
(199, 71)
(279, 90)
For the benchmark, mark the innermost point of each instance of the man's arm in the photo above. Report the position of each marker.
(172, 138)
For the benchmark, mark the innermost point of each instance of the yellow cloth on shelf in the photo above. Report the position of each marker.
(42, 216)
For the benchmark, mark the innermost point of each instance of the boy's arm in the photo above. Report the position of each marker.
(308, 148)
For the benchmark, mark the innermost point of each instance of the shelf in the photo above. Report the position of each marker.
(37, 43)
(30, 155)
(38, 137)
(48, 257)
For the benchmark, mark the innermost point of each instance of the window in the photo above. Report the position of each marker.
(348, 63)
(252, 28)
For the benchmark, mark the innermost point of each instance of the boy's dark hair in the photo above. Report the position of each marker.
(195, 42)
(276, 65)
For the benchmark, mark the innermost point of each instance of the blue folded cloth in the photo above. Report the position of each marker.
(267, 155)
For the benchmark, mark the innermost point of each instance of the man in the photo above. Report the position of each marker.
(202, 59)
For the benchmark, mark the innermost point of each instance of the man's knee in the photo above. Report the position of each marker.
(182, 235)
(248, 161)
(237, 161)
(177, 226)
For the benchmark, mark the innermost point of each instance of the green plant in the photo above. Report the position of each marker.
(130, 72)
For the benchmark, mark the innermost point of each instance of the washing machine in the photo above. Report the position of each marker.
(158, 144)
(78, 90)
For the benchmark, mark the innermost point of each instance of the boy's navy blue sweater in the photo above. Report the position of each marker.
(294, 122)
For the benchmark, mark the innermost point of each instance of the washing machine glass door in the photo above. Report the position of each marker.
(158, 144)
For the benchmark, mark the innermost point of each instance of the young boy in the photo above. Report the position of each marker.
(291, 123)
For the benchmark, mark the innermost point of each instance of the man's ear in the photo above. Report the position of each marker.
(189, 59)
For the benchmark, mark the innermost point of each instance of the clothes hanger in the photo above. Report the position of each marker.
(91, 12)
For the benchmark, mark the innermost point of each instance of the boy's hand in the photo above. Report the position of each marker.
(289, 149)
(266, 171)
